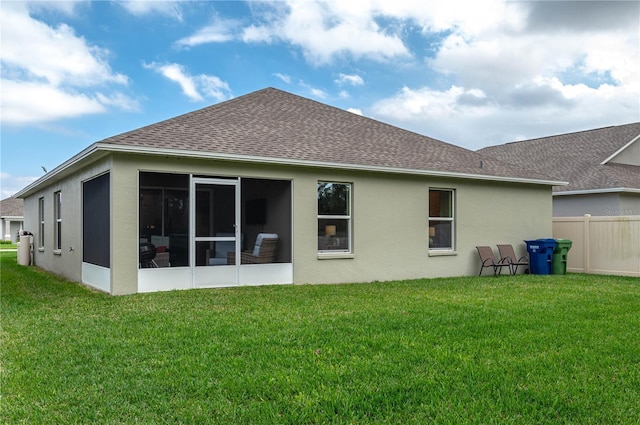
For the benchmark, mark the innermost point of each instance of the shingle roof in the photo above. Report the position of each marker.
(576, 158)
(271, 123)
(11, 207)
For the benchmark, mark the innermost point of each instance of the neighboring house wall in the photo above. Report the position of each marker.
(11, 218)
(601, 204)
(629, 204)
(390, 220)
(9, 227)
(630, 155)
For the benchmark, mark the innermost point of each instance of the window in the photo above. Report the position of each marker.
(57, 230)
(41, 221)
(441, 219)
(334, 217)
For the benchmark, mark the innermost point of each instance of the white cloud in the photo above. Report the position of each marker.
(325, 30)
(57, 55)
(195, 87)
(314, 91)
(470, 118)
(258, 34)
(221, 30)
(13, 184)
(119, 100)
(318, 93)
(510, 78)
(32, 102)
(67, 7)
(145, 7)
(355, 111)
(213, 87)
(353, 80)
(49, 73)
(354, 29)
(284, 77)
(502, 68)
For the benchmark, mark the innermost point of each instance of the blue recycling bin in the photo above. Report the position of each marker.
(540, 255)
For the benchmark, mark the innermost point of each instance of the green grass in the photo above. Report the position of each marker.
(508, 350)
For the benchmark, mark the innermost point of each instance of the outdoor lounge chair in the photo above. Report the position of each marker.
(264, 251)
(488, 260)
(507, 254)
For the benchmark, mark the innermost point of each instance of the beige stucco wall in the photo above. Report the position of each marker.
(389, 220)
(68, 261)
(390, 227)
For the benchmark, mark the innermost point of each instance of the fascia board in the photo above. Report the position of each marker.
(103, 147)
(597, 191)
(68, 165)
(320, 164)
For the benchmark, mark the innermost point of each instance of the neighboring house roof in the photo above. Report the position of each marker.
(601, 160)
(11, 207)
(273, 126)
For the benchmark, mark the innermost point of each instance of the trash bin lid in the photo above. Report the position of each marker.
(563, 244)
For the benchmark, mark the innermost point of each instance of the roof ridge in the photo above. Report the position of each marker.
(358, 116)
(198, 111)
(571, 133)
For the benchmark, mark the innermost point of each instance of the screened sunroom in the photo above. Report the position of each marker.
(203, 231)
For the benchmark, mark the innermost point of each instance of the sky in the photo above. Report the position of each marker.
(470, 73)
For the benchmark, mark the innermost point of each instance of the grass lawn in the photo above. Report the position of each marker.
(508, 350)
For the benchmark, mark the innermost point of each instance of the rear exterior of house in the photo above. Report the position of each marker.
(346, 199)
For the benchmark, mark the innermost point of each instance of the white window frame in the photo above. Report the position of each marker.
(449, 219)
(41, 221)
(57, 214)
(347, 218)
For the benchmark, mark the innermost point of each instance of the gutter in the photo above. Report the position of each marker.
(87, 152)
(106, 148)
(597, 191)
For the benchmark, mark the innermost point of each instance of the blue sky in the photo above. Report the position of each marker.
(471, 73)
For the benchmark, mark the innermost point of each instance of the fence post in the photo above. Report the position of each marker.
(587, 242)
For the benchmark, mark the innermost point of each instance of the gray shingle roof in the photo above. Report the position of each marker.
(576, 158)
(11, 207)
(271, 123)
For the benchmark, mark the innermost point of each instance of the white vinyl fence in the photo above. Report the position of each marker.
(601, 245)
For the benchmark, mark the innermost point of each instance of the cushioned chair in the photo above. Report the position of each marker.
(508, 255)
(488, 260)
(263, 252)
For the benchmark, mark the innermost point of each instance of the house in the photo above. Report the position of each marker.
(602, 167)
(11, 218)
(315, 194)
